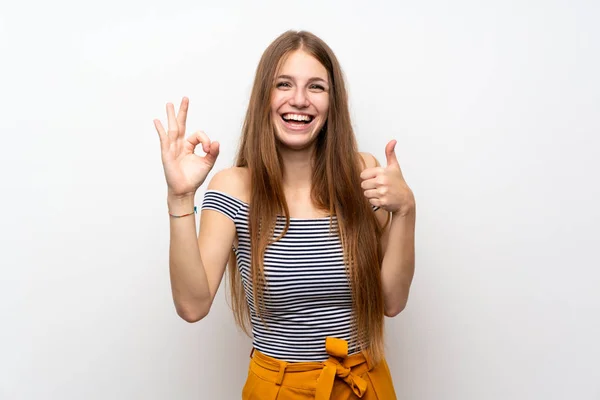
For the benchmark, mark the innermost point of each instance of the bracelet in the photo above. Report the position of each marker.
(184, 215)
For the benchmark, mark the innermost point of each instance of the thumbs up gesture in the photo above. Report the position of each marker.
(385, 187)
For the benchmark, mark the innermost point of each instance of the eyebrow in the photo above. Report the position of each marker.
(291, 78)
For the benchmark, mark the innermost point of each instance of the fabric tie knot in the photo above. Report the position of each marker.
(341, 371)
(358, 384)
(337, 349)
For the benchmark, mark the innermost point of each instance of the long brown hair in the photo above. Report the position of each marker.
(335, 188)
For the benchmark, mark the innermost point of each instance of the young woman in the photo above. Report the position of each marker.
(319, 238)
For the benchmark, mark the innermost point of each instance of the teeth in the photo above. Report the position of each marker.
(297, 117)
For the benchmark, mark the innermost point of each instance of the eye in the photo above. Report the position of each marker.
(283, 85)
(317, 87)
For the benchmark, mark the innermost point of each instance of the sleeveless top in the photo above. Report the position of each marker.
(308, 296)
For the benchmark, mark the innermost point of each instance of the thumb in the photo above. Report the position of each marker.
(390, 154)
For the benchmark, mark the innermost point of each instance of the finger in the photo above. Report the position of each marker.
(200, 138)
(213, 152)
(172, 122)
(182, 114)
(376, 202)
(370, 173)
(372, 194)
(162, 135)
(368, 184)
(390, 154)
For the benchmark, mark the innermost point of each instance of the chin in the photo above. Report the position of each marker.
(296, 140)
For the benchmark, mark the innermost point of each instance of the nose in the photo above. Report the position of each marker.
(299, 99)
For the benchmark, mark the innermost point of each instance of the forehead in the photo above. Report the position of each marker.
(302, 65)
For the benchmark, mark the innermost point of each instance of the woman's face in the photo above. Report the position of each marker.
(300, 100)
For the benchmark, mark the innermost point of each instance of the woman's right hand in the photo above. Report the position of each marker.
(184, 170)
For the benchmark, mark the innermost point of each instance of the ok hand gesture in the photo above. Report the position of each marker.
(184, 170)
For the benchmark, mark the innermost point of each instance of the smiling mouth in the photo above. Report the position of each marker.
(297, 121)
(297, 118)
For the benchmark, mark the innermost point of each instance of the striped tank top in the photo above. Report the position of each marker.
(308, 295)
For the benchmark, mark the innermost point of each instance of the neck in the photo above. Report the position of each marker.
(297, 169)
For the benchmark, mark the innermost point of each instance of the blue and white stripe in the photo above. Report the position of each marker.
(308, 295)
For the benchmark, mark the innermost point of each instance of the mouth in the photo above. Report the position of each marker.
(297, 122)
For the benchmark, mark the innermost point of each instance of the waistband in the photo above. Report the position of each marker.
(339, 364)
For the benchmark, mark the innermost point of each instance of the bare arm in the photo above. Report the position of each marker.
(398, 248)
(398, 266)
(197, 264)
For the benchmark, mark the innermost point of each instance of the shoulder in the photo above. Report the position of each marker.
(368, 160)
(234, 181)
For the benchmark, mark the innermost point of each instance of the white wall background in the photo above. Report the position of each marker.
(496, 107)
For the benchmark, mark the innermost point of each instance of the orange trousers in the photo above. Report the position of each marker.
(341, 377)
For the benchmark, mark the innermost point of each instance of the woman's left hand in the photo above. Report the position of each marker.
(385, 187)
